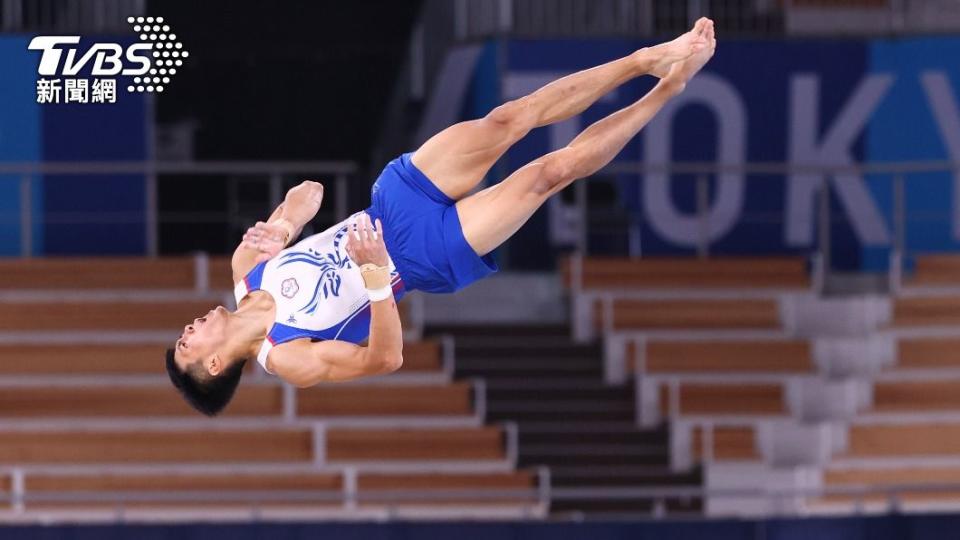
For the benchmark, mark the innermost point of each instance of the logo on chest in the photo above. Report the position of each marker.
(289, 288)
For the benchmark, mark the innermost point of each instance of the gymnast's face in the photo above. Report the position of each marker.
(201, 340)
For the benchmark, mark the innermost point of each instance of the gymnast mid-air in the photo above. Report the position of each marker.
(303, 311)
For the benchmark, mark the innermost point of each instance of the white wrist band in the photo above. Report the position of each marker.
(380, 294)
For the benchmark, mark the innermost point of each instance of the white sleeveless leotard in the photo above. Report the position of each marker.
(318, 290)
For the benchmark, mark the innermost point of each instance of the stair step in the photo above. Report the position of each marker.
(493, 375)
(486, 330)
(554, 383)
(623, 395)
(592, 449)
(565, 427)
(624, 507)
(561, 405)
(611, 469)
(537, 348)
(617, 437)
(559, 458)
(508, 363)
(665, 478)
(561, 416)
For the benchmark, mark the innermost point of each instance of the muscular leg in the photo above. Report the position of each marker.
(493, 215)
(457, 158)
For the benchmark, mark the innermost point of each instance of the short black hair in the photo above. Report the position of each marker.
(205, 393)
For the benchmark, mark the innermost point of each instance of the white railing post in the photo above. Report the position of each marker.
(899, 233)
(447, 355)
(17, 490)
(479, 400)
(340, 197)
(319, 444)
(289, 402)
(703, 216)
(275, 188)
(201, 272)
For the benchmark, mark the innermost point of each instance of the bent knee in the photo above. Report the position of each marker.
(514, 117)
(556, 172)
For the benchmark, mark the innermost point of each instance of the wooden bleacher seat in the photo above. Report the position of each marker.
(147, 359)
(161, 400)
(927, 353)
(941, 269)
(87, 273)
(726, 399)
(285, 489)
(729, 443)
(49, 316)
(204, 489)
(691, 314)
(779, 356)
(904, 440)
(889, 478)
(731, 272)
(156, 446)
(460, 444)
(908, 396)
(381, 400)
(927, 311)
(470, 487)
(140, 401)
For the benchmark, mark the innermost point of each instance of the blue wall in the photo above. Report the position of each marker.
(73, 214)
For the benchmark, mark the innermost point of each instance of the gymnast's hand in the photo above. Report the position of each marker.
(266, 238)
(365, 242)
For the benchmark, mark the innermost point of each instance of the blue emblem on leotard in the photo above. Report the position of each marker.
(330, 264)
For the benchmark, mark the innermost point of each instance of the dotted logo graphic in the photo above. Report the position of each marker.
(168, 53)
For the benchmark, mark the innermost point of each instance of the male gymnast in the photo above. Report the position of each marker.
(302, 311)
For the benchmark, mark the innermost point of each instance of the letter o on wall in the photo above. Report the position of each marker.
(724, 102)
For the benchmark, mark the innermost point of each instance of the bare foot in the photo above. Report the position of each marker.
(681, 72)
(674, 51)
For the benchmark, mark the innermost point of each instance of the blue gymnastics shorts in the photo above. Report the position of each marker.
(422, 231)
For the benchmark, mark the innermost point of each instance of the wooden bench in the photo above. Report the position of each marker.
(401, 400)
(109, 315)
(148, 359)
(927, 311)
(161, 400)
(86, 273)
(690, 314)
(904, 440)
(284, 489)
(161, 446)
(731, 272)
(887, 478)
(459, 444)
(943, 269)
(923, 353)
(470, 488)
(907, 396)
(726, 399)
(780, 356)
(114, 489)
(729, 444)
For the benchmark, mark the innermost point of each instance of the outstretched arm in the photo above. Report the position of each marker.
(266, 239)
(303, 363)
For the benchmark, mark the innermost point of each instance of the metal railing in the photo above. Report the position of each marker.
(477, 19)
(99, 16)
(273, 173)
(705, 174)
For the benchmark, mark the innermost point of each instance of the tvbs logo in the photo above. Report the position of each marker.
(108, 58)
(151, 63)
